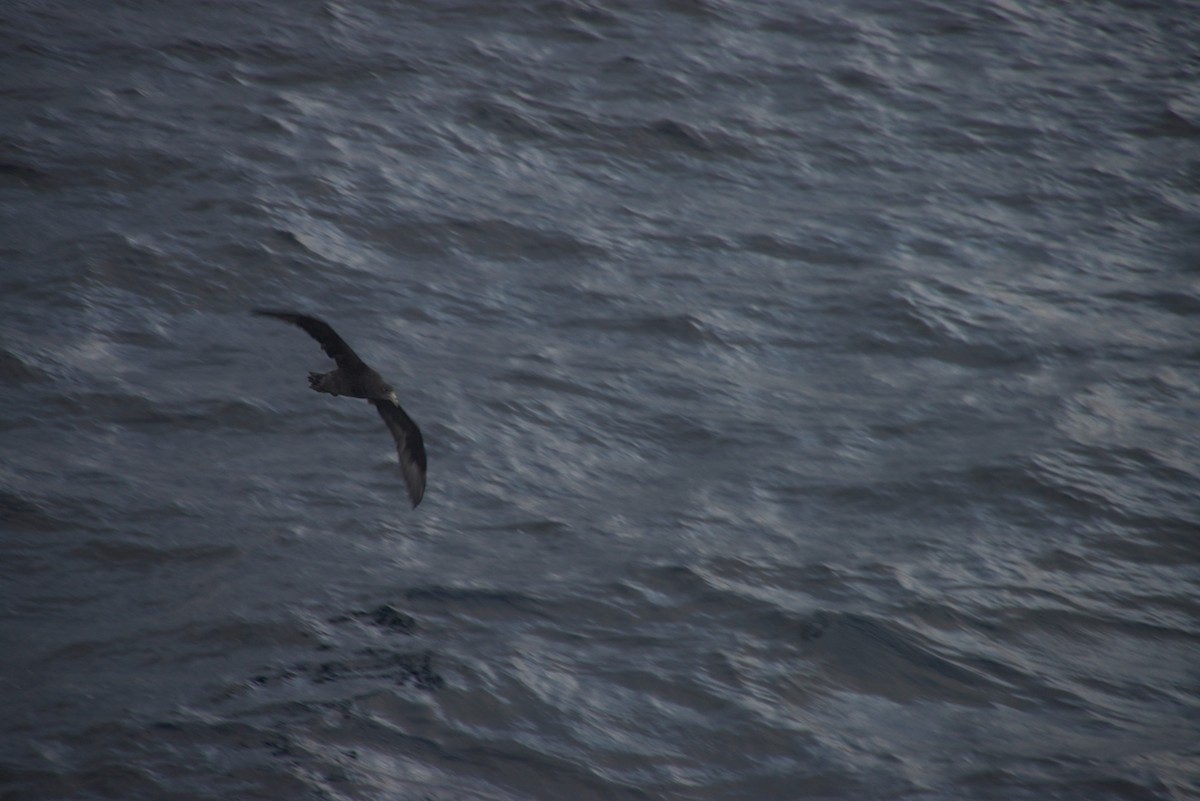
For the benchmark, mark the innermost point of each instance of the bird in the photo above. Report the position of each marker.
(354, 379)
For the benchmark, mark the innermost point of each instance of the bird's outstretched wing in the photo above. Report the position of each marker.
(334, 346)
(410, 446)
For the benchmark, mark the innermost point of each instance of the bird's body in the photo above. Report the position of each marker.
(354, 379)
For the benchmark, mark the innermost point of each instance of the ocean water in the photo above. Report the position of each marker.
(811, 396)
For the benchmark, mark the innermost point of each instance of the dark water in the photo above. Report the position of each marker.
(811, 396)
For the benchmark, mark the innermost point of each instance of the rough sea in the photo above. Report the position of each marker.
(811, 394)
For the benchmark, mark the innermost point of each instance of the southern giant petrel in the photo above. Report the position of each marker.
(355, 379)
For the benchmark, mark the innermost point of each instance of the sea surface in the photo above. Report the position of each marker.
(811, 394)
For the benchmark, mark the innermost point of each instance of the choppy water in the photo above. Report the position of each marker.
(811, 397)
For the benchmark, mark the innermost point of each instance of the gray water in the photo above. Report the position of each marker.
(810, 392)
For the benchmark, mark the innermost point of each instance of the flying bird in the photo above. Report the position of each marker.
(354, 379)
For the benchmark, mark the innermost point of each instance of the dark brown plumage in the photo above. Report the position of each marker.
(355, 379)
